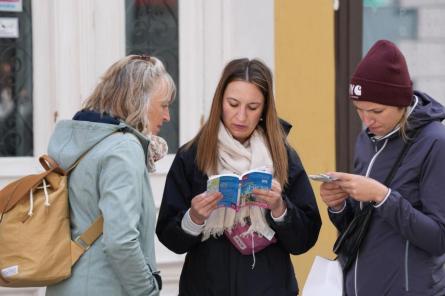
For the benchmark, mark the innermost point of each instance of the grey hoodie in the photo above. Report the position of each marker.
(404, 250)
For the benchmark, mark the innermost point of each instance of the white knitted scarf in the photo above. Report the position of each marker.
(157, 149)
(237, 158)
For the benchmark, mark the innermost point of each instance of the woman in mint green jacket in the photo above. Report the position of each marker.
(116, 132)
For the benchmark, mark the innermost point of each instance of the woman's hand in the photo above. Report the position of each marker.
(361, 188)
(202, 205)
(333, 195)
(272, 198)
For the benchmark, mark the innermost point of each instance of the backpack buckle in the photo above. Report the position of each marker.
(81, 243)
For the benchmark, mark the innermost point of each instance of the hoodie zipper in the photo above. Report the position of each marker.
(368, 171)
(406, 266)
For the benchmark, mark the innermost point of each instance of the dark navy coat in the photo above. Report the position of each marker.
(403, 252)
(215, 267)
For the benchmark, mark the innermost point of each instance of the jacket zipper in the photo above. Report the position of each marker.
(406, 266)
(368, 171)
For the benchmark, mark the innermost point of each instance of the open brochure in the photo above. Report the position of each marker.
(237, 190)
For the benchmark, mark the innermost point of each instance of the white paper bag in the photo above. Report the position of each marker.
(325, 278)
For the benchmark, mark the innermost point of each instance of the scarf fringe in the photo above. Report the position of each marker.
(238, 158)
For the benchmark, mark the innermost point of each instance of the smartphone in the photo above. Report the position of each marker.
(322, 178)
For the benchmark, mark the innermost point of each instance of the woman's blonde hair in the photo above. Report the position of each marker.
(404, 125)
(257, 73)
(125, 89)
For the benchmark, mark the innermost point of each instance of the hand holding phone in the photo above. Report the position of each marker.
(322, 178)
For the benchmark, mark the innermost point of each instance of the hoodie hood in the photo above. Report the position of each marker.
(426, 111)
(72, 138)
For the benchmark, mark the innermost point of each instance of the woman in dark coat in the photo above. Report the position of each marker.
(243, 132)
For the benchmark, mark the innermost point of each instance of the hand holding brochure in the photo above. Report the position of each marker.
(237, 190)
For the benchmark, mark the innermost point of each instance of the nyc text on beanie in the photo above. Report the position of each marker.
(382, 77)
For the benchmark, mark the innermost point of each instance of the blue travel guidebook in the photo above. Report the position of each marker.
(237, 190)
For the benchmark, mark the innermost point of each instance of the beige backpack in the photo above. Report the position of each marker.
(35, 239)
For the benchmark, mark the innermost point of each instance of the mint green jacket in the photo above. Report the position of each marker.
(112, 180)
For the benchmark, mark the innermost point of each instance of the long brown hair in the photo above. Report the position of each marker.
(257, 73)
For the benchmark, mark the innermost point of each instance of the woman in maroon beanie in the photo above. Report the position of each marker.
(394, 203)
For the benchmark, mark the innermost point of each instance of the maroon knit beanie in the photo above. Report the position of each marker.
(382, 77)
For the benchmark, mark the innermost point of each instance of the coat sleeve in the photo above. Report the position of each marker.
(176, 200)
(301, 226)
(342, 219)
(120, 185)
(424, 227)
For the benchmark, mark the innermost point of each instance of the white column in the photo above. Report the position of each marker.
(64, 22)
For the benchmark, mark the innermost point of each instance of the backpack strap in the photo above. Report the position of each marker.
(50, 165)
(401, 156)
(74, 165)
(15, 191)
(19, 189)
(84, 241)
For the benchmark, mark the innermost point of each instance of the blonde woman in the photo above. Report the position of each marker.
(403, 246)
(133, 95)
(242, 132)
